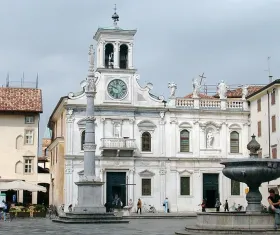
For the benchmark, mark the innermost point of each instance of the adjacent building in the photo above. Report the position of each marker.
(20, 110)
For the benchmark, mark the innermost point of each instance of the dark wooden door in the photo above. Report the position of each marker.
(115, 185)
(210, 189)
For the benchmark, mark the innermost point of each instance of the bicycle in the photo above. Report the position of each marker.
(150, 209)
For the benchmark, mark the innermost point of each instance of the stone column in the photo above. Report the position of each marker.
(131, 186)
(117, 55)
(69, 131)
(162, 173)
(89, 187)
(130, 56)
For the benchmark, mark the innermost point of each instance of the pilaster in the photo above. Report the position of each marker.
(162, 134)
(68, 183)
(116, 55)
(224, 139)
(101, 52)
(162, 173)
(130, 55)
(173, 147)
(69, 131)
(195, 139)
(131, 187)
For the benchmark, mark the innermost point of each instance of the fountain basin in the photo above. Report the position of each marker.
(252, 171)
(231, 223)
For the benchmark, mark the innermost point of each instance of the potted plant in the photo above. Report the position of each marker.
(39, 211)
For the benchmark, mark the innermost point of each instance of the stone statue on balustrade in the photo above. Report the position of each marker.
(196, 87)
(244, 92)
(173, 88)
(210, 139)
(222, 90)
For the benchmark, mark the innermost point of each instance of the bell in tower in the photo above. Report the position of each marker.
(114, 46)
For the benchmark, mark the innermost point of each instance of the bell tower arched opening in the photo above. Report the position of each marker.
(123, 56)
(109, 55)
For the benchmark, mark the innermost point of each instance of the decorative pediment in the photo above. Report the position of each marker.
(235, 127)
(146, 126)
(210, 124)
(185, 172)
(185, 125)
(146, 173)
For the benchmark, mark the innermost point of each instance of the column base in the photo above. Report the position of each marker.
(89, 197)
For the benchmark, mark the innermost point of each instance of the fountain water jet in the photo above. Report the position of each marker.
(253, 171)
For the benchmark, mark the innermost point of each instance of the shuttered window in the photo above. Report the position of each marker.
(259, 103)
(273, 123)
(235, 188)
(146, 142)
(273, 97)
(146, 187)
(274, 152)
(184, 141)
(185, 186)
(259, 128)
(234, 142)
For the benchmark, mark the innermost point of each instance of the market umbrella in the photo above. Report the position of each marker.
(21, 185)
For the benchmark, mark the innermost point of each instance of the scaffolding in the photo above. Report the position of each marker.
(22, 83)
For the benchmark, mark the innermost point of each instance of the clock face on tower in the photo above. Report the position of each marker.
(117, 89)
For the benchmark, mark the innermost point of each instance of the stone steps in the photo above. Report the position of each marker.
(89, 221)
(194, 230)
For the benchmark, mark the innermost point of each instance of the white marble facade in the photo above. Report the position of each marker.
(140, 135)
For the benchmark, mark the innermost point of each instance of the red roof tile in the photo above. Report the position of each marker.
(237, 93)
(20, 99)
(202, 96)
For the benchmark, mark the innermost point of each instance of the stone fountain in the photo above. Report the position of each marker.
(253, 171)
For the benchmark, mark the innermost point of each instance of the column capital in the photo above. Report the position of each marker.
(89, 147)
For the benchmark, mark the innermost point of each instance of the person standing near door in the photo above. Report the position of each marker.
(217, 205)
(165, 204)
(139, 206)
(226, 206)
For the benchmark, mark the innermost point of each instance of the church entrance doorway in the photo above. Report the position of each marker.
(210, 189)
(115, 186)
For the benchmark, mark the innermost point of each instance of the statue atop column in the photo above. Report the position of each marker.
(244, 92)
(173, 88)
(222, 90)
(91, 55)
(196, 87)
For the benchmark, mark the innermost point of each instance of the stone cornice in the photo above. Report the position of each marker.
(56, 141)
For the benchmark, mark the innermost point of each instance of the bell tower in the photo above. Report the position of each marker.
(114, 47)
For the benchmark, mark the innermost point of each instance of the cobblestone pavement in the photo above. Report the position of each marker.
(135, 227)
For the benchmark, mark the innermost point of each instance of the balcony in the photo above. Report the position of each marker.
(118, 147)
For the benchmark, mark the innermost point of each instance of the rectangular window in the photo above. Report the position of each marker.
(273, 123)
(28, 168)
(274, 151)
(146, 187)
(235, 188)
(259, 128)
(273, 97)
(29, 119)
(29, 137)
(259, 102)
(185, 186)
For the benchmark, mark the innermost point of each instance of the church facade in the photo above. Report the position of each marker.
(150, 148)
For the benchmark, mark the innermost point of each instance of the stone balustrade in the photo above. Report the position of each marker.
(229, 104)
(118, 143)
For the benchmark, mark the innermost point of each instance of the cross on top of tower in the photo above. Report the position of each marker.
(115, 16)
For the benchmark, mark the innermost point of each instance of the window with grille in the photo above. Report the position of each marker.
(83, 137)
(185, 186)
(29, 137)
(146, 187)
(259, 103)
(146, 142)
(29, 119)
(28, 165)
(234, 142)
(235, 188)
(184, 141)
(273, 123)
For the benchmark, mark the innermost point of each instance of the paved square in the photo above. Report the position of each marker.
(135, 227)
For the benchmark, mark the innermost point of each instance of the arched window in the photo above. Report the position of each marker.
(109, 55)
(123, 56)
(83, 136)
(146, 142)
(234, 142)
(184, 141)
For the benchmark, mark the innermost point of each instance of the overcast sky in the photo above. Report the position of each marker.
(176, 40)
